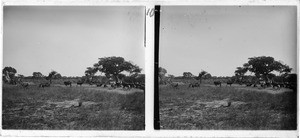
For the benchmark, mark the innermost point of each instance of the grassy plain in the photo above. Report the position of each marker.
(180, 108)
(47, 108)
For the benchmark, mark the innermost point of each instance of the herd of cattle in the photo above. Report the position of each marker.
(263, 84)
(114, 85)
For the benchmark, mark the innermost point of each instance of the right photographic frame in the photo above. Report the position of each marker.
(226, 68)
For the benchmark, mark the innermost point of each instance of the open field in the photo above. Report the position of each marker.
(227, 108)
(72, 108)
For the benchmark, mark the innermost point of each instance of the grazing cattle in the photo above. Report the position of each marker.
(217, 83)
(68, 83)
(113, 86)
(132, 85)
(281, 85)
(141, 86)
(248, 84)
(24, 85)
(255, 85)
(79, 83)
(229, 83)
(44, 85)
(194, 85)
(266, 84)
(275, 85)
(174, 85)
(118, 84)
(13, 82)
(126, 85)
(292, 85)
(99, 84)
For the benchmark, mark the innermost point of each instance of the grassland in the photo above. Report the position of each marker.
(180, 108)
(94, 109)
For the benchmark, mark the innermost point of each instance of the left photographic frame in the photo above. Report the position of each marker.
(73, 68)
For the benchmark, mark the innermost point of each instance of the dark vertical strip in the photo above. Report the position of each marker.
(156, 53)
(145, 22)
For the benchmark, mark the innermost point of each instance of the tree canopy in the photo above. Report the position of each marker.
(161, 72)
(263, 66)
(187, 74)
(207, 76)
(240, 73)
(113, 66)
(90, 71)
(37, 75)
(53, 75)
(201, 75)
(9, 71)
(8, 74)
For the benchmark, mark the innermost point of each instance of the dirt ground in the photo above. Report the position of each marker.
(235, 107)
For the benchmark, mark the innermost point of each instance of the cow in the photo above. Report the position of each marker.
(99, 84)
(79, 83)
(132, 85)
(113, 86)
(126, 85)
(118, 84)
(141, 86)
(44, 85)
(248, 84)
(275, 85)
(24, 85)
(174, 85)
(194, 85)
(229, 83)
(68, 83)
(255, 85)
(217, 83)
(266, 84)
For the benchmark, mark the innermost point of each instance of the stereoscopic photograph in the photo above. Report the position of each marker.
(227, 68)
(73, 68)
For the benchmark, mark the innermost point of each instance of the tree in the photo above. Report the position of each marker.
(113, 66)
(201, 74)
(57, 76)
(37, 75)
(52, 75)
(140, 78)
(90, 72)
(161, 73)
(171, 76)
(121, 76)
(21, 76)
(135, 78)
(9, 74)
(240, 73)
(263, 66)
(207, 76)
(187, 74)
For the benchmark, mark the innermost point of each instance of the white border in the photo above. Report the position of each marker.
(149, 71)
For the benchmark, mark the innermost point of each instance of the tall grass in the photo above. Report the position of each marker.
(262, 111)
(28, 109)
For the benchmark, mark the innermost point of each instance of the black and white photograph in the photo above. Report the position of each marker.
(73, 68)
(227, 67)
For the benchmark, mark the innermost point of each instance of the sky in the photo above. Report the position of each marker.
(218, 39)
(70, 39)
